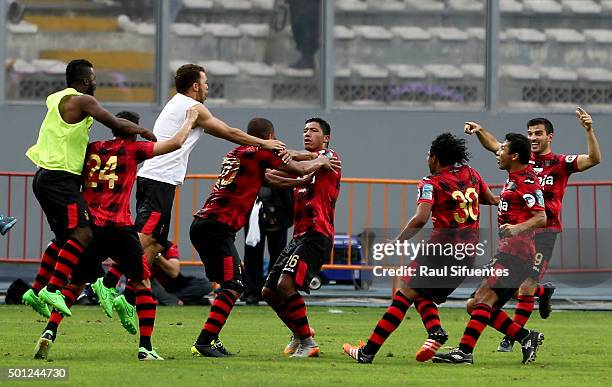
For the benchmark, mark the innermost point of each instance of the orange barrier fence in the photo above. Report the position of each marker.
(364, 204)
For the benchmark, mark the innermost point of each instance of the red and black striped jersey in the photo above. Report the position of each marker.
(315, 205)
(242, 175)
(109, 175)
(553, 171)
(453, 194)
(521, 195)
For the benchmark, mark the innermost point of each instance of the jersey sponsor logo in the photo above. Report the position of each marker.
(546, 180)
(570, 158)
(503, 206)
(529, 181)
(426, 192)
(530, 200)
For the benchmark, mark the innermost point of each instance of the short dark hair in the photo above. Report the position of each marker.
(542, 121)
(322, 123)
(130, 116)
(187, 75)
(260, 128)
(449, 149)
(77, 70)
(518, 143)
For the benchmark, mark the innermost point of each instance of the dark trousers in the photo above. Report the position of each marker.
(192, 292)
(305, 25)
(254, 262)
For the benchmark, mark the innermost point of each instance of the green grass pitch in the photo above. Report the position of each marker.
(577, 350)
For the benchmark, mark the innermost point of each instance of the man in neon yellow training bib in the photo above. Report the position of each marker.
(59, 153)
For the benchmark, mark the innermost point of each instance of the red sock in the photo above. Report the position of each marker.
(219, 312)
(503, 323)
(480, 317)
(428, 312)
(297, 313)
(145, 307)
(388, 323)
(524, 307)
(283, 313)
(70, 292)
(68, 257)
(47, 265)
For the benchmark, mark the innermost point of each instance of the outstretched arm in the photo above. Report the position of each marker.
(179, 138)
(90, 106)
(218, 128)
(593, 157)
(488, 141)
(302, 168)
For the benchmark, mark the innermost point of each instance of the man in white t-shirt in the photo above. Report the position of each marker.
(159, 176)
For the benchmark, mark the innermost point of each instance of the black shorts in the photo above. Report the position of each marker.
(505, 286)
(214, 242)
(60, 197)
(154, 200)
(439, 280)
(545, 244)
(122, 245)
(302, 260)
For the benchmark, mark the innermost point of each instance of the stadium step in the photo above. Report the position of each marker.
(106, 60)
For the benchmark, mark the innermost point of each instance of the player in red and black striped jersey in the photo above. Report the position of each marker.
(553, 171)
(109, 175)
(451, 196)
(224, 213)
(313, 232)
(521, 210)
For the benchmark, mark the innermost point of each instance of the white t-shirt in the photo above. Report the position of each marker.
(171, 167)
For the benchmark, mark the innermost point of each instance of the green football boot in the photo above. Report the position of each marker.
(127, 314)
(105, 296)
(30, 298)
(56, 300)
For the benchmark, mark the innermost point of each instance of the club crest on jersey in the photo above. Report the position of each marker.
(530, 200)
(538, 170)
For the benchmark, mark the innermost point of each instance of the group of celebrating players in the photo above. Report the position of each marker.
(529, 219)
(84, 190)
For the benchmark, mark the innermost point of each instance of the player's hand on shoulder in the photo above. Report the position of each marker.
(285, 156)
(471, 127)
(192, 114)
(585, 118)
(273, 145)
(336, 164)
(148, 135)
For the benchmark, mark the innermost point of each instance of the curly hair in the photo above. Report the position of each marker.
(449, 149)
